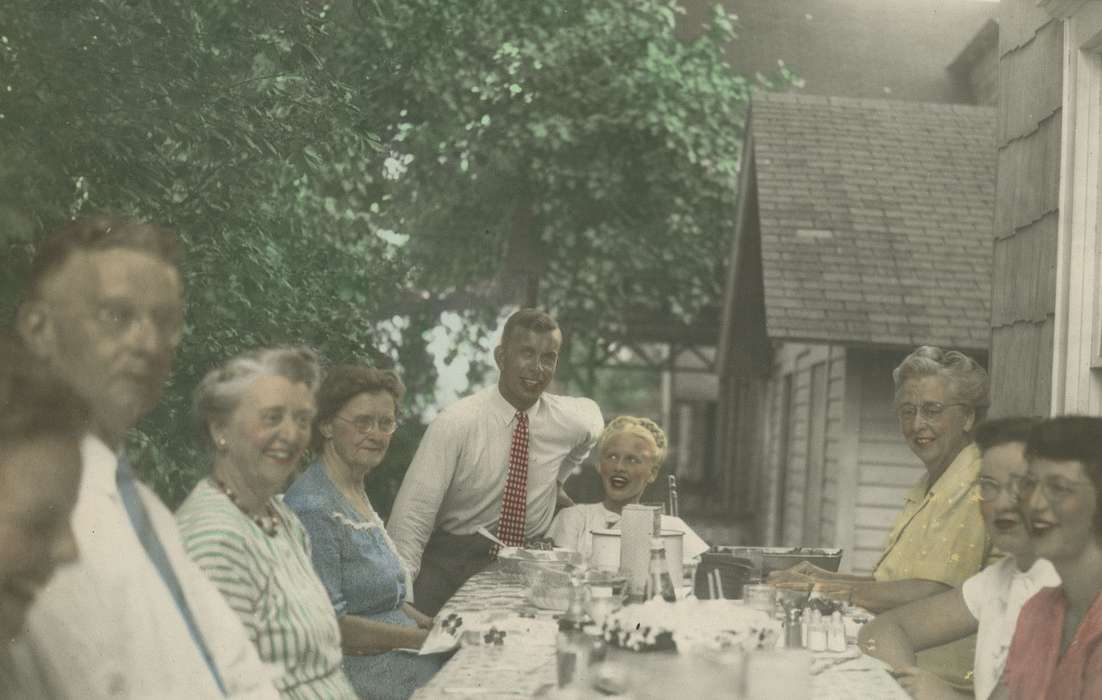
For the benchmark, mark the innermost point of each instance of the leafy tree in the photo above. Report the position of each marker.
(578, 153)
(226, 120)
(340, 173)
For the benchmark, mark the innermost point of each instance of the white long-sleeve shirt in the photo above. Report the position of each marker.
(108, 627)
(457, 477)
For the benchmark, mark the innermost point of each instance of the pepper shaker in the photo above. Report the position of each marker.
(793, 630)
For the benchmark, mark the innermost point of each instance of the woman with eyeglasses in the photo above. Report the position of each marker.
(254, 413)
(630, 452)
(1057, 648)
(938, 540)
(986, 605)
(368, 585)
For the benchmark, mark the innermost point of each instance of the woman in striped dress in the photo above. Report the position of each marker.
(255, 414)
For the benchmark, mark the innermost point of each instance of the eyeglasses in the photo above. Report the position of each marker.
(119, 318)
(991, 488)
(929, 410)
(365, 424)
(1054, 488)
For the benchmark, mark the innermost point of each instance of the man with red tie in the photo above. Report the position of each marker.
(495, 459)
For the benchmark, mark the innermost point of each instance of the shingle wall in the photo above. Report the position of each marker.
(1027, 207)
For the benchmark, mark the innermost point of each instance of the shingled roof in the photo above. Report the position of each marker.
(875, 219)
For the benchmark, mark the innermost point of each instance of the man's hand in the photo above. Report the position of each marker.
(562, 500)
(923, 685)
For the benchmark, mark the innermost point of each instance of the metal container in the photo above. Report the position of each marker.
(637, 526)
(605, 554)
(769, 559)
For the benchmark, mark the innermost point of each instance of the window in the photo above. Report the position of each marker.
(1077, 351)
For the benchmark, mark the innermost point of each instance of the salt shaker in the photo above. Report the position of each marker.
(836, 633)
(816, 633)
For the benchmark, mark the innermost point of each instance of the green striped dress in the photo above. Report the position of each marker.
(270, 582)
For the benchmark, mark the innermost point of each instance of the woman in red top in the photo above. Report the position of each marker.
(1057, 648)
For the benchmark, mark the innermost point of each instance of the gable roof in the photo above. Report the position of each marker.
(875, 219)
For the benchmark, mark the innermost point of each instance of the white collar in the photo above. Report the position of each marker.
(507, 412)
(100, 465)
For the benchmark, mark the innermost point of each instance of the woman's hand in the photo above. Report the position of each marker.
(411, 638)
(423, 621)
(798, 578)
(837, 590)
(923, 685)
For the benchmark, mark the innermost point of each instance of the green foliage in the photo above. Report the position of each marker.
(227, 121)
(583, 140)
(324, 165)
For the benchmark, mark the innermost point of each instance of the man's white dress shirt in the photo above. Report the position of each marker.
(995, 596)
(108, 627)
(457, 477)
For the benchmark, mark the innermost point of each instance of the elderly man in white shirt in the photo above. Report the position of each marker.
(134, 617)
(496, 459)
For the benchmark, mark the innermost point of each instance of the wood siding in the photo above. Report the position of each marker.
(866, 467)
(1031, 46)
(852, 500)
(886, 466)
(802, 445)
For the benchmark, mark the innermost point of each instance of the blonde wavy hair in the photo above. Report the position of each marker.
(643, 427)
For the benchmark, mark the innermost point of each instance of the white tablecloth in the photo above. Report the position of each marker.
(508, 651)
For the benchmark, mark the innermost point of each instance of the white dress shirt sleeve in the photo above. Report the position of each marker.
(591, 424)
(107, 625)
(413, 518)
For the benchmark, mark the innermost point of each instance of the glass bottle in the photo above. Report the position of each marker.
(659, 583)
(573, 646)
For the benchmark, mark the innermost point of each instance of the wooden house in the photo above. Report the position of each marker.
(913, 50)
(864, 230)
(1046, 317)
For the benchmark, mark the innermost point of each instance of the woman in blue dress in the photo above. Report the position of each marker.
(353, 555)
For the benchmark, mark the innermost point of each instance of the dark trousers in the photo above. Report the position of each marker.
(449, 560)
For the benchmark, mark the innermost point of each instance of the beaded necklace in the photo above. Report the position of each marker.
(267, 522)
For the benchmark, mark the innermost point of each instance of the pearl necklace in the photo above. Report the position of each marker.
(267, 523)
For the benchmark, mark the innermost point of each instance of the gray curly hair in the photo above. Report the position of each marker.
(218, 395)
(633, 424)
(966, 378)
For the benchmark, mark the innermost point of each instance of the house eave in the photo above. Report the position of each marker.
(1061, 9)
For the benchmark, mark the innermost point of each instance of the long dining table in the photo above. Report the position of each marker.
(506, 649)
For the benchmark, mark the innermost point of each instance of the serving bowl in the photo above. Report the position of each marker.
(549, 586)
(516, 562)
(766, 560)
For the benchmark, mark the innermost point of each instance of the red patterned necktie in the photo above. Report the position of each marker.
(514, 502)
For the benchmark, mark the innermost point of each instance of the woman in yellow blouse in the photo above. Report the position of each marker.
(939, 539)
